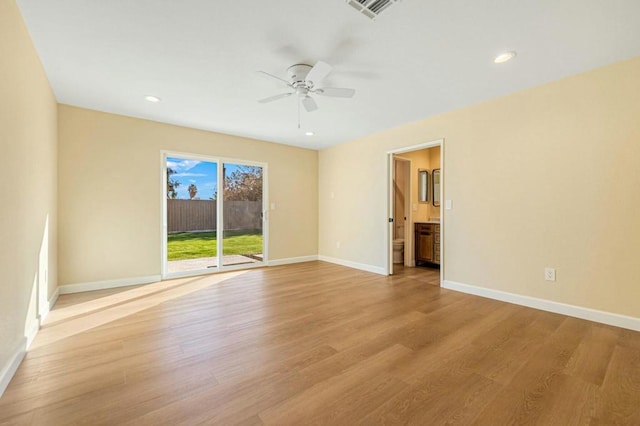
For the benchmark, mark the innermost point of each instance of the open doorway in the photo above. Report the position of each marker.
(423, 228)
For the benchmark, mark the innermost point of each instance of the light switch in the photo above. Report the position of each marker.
(333, 195)
(273, 206)
(448, 204)
(415, 207)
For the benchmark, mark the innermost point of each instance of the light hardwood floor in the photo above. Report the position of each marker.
(317, 343)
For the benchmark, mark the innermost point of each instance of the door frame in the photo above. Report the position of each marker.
(219, 220)
(389, 203)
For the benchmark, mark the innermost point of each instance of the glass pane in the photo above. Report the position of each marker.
(242, 215)
(192, 189)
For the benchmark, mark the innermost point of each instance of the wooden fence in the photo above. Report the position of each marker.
(201, 215)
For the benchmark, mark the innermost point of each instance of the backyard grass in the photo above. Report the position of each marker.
(194, 245)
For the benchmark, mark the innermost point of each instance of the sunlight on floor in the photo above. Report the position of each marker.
(71, 320)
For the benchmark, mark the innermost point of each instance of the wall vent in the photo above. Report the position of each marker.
(371, 8)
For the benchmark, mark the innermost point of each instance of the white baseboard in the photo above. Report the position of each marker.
(31, 332)
(7, 372)
(49, 306)
(290, 260)
(10, 368)
(54, 299)
(355, 265)
(589, 314)
(102, 285)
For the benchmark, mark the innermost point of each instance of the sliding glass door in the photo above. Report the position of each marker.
(242, 214)
(213, 215)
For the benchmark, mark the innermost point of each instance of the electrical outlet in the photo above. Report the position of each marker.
(549, 274)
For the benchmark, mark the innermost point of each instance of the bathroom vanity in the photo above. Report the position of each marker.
(427, 242)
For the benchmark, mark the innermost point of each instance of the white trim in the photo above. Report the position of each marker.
(388, 239)
(164, 269)
(32, 331)
(46, 308)
(442, 219)
(102, 285)
(290, 260)
(219, 215)
(265, 213)
(417, 147)
(391, 171)
(355, 265)
(53, 300)
(588, 314)
(10, 368)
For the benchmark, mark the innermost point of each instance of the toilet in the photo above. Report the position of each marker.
(398, 250)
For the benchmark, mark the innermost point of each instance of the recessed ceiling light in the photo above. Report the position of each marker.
(309, 133)
(152, 98)
(504, 57)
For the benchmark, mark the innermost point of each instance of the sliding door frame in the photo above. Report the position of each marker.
(220, 161)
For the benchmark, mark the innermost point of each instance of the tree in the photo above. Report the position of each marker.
(193, 190)
(243, 184)
(172, 184)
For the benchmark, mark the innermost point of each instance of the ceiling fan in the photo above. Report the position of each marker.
(304, 81)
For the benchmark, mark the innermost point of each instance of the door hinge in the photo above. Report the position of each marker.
(390, 220)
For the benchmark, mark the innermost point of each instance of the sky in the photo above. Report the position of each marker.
(201, 173)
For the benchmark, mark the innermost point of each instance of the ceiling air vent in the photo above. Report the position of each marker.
(371, 8)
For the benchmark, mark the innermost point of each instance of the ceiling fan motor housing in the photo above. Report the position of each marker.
(298, 72)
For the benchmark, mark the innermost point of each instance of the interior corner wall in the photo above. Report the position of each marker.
(28, 138)
(110, 192)
(546, 177)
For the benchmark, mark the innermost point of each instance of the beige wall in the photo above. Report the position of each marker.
(28, 184)
(545, 177)
(110, 190)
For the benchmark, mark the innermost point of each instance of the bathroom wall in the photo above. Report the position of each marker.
(434, 162)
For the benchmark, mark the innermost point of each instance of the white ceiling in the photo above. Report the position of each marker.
(419, 58)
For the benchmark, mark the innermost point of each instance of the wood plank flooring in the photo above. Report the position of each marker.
(317, 343)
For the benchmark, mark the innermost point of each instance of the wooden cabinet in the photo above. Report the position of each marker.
(427, 240)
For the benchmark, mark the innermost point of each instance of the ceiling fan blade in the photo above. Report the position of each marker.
(266, 74)
(274, 98)
(319, 71)
(309, 104)
(335, 92)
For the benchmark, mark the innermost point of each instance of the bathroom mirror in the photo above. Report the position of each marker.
(436, 187)
(423, 186)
